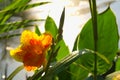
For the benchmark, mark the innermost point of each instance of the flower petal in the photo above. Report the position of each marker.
(30, 68)
(33, 61)
(46, 40)
(27, 36)
(17, 54)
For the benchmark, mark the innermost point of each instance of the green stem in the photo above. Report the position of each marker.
(14, 73)
(95, 32)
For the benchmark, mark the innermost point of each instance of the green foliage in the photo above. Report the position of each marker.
(78, 64)
(64, 63)
(12, 9)
(17, 70)
(66, 75)
(60, 46)
(63, 50)
(51, 27)
(59, 49)
(37, 30)
(6, 27)
(107, 43)
(15, 7)
(98, 78)
(78, 72)
(9, 10)
(16, 3)
(117, 65)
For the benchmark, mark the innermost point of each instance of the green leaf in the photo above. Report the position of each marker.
(1, 0)
(6, 13)
(66, 75)
(16, 25)
(117, 66)
(37, 75)
(84, 66)
(51, 27)
(60, 30)
(9, 36)
(78, 72)
(98, 78)
(63, 50)
(16, 3)
(59, 52)
(107, 43)
(65, 62)
(15, 72)
(37, 30)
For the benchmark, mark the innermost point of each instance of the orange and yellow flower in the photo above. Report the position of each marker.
(32, 49)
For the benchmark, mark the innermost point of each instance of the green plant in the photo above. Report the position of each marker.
(94, 50)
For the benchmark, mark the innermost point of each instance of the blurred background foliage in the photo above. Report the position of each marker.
(11, 25)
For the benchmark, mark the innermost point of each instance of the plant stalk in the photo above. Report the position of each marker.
(95, 32)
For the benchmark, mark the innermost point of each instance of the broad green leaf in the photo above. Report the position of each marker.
(63, 50)
(51, 27)
(66, 75)
(78, 72)
(107, 43)
(1, 0)
(80, 67)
